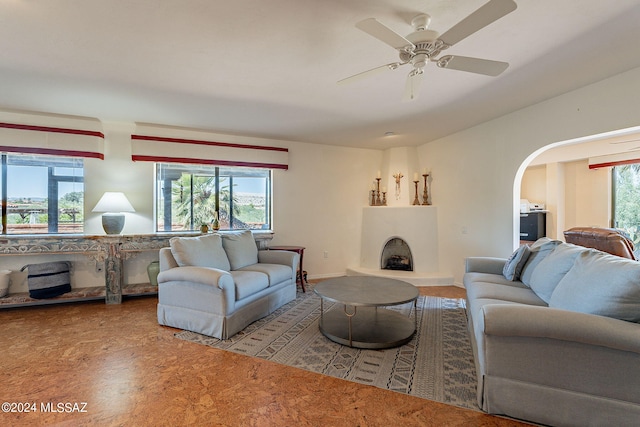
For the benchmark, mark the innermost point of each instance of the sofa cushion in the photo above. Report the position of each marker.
(200, 251)
(539, 251)
(249, 282)
(470, 278)
(514, 265)
(601, 284)
(277, 273)
(553, 268)
(495, 291)
(241, 248)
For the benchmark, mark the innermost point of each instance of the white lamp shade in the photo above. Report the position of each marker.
(113, 201)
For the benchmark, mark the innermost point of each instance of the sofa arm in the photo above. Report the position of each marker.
(288, 258)
(489, 265)
(562, 325)
(209, 288)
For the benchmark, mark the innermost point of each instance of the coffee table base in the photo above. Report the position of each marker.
(370, 327)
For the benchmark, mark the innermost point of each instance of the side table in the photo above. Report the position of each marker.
(301, 274)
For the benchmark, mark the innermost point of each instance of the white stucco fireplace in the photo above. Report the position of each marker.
(415, 225)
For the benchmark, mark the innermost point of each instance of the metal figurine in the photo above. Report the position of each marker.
(398, 176)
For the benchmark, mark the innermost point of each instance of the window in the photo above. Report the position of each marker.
(188, 196)
(626, 200)
(42, 194)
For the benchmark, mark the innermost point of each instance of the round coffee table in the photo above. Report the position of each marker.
(359, 320)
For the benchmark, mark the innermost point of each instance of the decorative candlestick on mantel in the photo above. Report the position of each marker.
(425, 194)
(416, 201)
(378, 201)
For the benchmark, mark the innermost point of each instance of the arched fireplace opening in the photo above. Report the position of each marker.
(396, 255)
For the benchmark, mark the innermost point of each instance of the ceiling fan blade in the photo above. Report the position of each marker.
(473, 65)
(375, 28)
(485, 15)
(378, 70)
(412, 87)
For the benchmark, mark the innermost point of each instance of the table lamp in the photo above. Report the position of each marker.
(113, 204)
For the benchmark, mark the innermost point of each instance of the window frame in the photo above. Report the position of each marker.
(632, 233)
(171, 172)
(53, 187)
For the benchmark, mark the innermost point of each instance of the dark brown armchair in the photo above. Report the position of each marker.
(608, 240)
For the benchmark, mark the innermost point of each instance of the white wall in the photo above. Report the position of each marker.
(118, 173)
(574, 195)
(587, 195)
(475, 180)
(476, 172)
(534, 184)
(318, 204)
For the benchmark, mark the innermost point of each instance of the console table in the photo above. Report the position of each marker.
(112, 250)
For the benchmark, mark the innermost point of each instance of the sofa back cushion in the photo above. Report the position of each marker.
(552, 269)
(200, 251)
(241, 248)
(601, 284)
(539, 251)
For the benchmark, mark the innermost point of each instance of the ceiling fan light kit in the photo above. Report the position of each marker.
(424, 45)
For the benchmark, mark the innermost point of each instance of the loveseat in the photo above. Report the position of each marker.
(555, 335)
(217, 284)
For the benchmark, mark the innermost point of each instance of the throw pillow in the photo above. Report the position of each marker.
(553, 268)
(539, 251)
(514, 265)
(241, 248)
(601, 284)
(200, 251)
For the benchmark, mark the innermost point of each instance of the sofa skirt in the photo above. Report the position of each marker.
(224, 327)
(553, 406)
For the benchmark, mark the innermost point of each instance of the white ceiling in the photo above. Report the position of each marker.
(269, 68)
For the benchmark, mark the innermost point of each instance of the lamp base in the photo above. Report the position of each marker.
(113, 223)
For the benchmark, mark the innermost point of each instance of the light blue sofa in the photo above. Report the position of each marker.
(217, 284)
(555, 335)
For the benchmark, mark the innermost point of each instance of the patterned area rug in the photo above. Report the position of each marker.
(437, 364)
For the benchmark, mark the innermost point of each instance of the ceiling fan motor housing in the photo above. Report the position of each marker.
(424, 51)
(421, 22)
(425, 41)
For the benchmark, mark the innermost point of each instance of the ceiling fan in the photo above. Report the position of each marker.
(423, 45)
